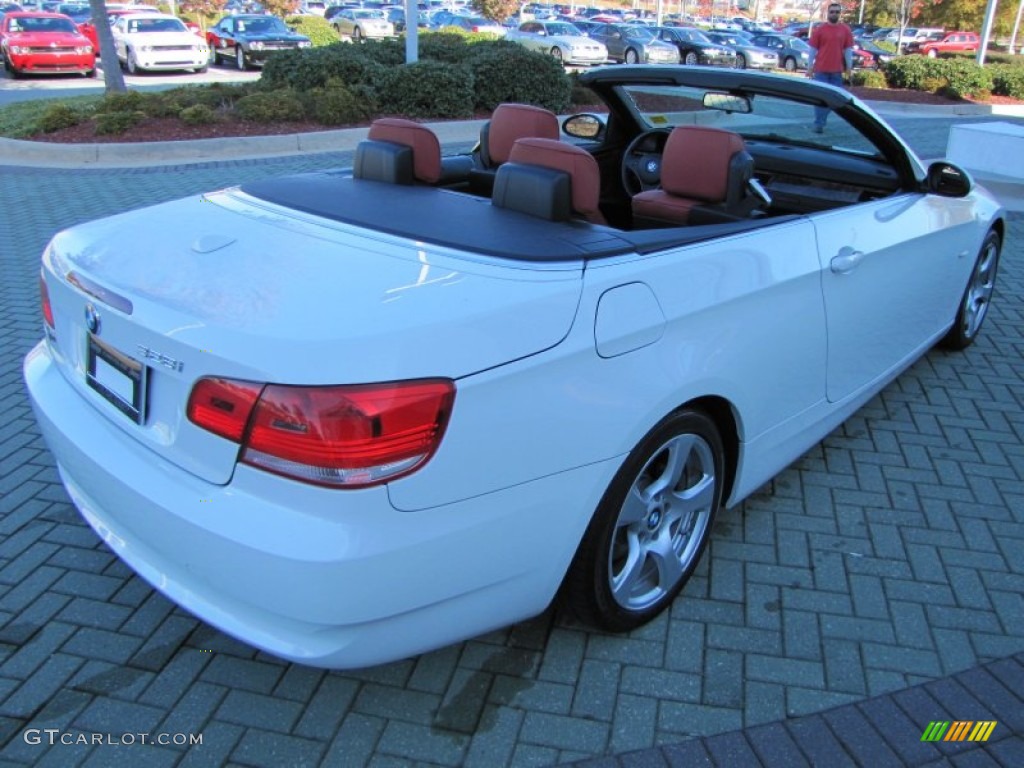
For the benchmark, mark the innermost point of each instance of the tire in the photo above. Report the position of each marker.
(131, 63)
(692, 59)
(631, 56)
(89, 73)
(789, 64)
(240, 61)
(932, 53)
(357, 35)
(201, 70)
(556, 52)
(977, 296)
(641, 545)
(741, 61)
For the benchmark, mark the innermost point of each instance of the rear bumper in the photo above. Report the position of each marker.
(318, 576)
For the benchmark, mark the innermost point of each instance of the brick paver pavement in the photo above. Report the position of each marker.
(889, 556)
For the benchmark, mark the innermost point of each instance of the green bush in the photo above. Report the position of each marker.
(59, 116)
(129, 101)
(427, 89)
(1008, 80)
(870, 78)
(303, 70)
(966, 78)
(112, 123)
(270, 107)
(581, 95)
(911, 71)
(337, 104)
(506, 71)
(316, 28)
(198, 114)
(449, 47)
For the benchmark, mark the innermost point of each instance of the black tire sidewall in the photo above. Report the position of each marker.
(956, 339)
(588, 591)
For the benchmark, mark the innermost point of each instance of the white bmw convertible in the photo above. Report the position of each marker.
(353, 415)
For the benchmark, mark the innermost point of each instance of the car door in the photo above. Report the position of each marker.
(892, 271)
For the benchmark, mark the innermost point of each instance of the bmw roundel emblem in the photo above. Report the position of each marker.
(92, 319)
(652, 166)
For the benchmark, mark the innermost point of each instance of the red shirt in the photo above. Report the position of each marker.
(830, 40)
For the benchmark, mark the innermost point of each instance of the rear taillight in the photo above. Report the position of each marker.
(348, 436)
(44, 301)
(223, 406)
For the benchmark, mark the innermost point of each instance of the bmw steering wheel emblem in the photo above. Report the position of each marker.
(652, 166)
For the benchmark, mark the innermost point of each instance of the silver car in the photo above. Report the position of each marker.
(635, 44)
(361, 23)
(748, 55)
(561, 39)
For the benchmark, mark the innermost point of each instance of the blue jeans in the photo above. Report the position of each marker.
(832, 78)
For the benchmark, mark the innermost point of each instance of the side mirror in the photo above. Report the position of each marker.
(948, 180)
(584, 126)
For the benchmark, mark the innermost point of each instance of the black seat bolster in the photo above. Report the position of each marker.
(384, 161)
(542, 192)
(455, 169)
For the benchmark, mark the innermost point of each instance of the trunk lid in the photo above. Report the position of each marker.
(216, 286)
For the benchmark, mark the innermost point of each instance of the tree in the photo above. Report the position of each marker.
(113, 80)
(281, 8)
(203, 9)
(496, 10)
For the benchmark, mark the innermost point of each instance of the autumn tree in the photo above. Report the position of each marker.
(281, 8)
(203, 9)
(496, 10)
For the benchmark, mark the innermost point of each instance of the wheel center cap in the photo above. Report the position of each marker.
(654, 519)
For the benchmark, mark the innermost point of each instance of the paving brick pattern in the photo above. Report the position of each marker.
(888, 557)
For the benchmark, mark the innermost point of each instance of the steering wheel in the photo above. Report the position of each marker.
(641, 162)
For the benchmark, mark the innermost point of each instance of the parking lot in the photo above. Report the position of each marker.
(890, 555)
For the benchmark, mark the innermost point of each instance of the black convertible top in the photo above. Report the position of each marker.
(468, 223)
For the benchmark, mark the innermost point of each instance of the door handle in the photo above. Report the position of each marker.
(846, 261)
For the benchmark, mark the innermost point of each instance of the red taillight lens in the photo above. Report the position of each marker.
(223, 406)
(350, 436)
(44, 301)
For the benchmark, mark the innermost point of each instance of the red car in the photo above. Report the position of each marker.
(88, 27)
(951, 42)
(35, 42)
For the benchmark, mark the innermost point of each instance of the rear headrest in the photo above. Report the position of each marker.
(542, 192)
(426, 149)
(578, 163)
(510, 122)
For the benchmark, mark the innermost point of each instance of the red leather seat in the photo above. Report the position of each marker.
(425, 146)
(705, 176)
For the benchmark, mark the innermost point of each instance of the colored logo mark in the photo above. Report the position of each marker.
(958, 730)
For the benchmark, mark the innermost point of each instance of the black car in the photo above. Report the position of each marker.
(249, 38)
(696, 48)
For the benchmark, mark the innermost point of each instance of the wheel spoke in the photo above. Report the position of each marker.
(678, 453)
(634, 510)
(666, 559)
(625, 581)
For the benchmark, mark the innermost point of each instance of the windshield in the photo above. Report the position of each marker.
(368, 14)
(155, 25)
(781, 120)
(638, 32)
(562, 29)
(269, 24)
(36, 24)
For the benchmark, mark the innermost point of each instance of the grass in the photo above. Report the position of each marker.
(21, 118)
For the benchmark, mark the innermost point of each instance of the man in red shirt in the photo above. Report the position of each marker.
(831, 56)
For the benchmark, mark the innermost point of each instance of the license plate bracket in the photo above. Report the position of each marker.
(119, 379)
